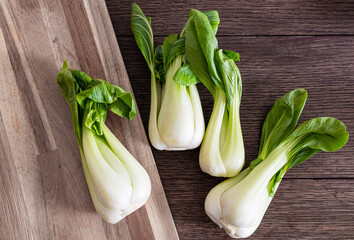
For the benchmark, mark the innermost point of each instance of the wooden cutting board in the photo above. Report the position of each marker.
(43, 192)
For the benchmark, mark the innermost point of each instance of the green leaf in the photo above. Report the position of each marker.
(167, 45)
(213, 17)
(176, 50)
(69, 87)
(124, 106)
(158, 55)
(99, 91)
(82, 78)
(196, 58)
(143, 34)
(208, 43)
(118, 100)
(318, 134)
(213, 67)
(281, 120)
(274, 181)
(232, 55)
(95, 114)
(159, 67)
(230, 75)
(185, 76)
(214, 20)
(89, 99)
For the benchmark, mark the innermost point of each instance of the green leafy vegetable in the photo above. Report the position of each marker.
(144, 38)
(176, 118)
(222, 150)
(176, 49)
(118, 184)
(185, 76)
(232, 55)
(239, 203)
(167, 45)
(281, 120)
(213, 17)
(159, 66)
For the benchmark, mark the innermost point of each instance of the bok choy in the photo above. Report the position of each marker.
(222, 151)
(118, 184)
(176, 119)
(239, 203)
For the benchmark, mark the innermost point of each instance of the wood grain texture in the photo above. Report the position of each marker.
(315, 200)
(260, 17)
(12, 202)
(43, 192)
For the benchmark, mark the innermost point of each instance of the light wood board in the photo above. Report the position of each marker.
(43, 192)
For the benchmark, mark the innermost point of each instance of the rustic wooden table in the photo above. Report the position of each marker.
(283, 45)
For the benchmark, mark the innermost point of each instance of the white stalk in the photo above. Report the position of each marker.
(239, 204)
(210, 160)
(117, 182)
(140, 179)
(176, 118)
(222, 151)
(155, 105)
(112, 159)
(199, 125)
(212, 202)
(232, 151)
(113, 189)
(109, 215)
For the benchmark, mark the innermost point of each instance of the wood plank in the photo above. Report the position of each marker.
(51, 193)
(270, 67)
(25, 81)
(19, 133)
(14, 222)
(244, 17)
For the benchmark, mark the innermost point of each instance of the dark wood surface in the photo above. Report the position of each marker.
(283, 45)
